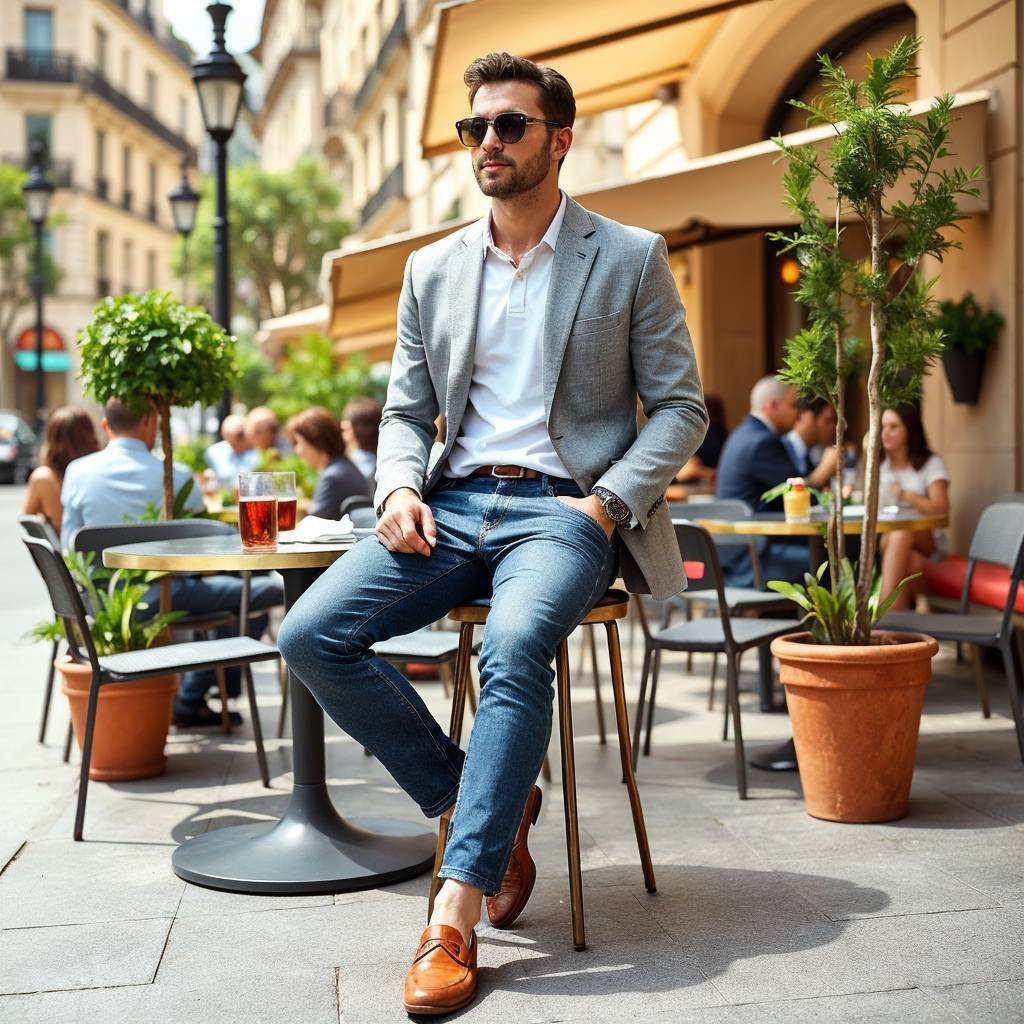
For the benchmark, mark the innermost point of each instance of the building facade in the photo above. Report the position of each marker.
(107, 89)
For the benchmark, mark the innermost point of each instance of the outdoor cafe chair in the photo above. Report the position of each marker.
(998, 540)
(130, 666)
(356, 501)
(40, 528)
(721, 634)
(97, 539)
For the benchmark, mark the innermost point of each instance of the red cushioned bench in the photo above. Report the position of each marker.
(989, 586)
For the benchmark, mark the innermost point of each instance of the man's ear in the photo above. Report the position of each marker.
(105, 426)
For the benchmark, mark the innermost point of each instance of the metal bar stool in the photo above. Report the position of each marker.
(614, 605)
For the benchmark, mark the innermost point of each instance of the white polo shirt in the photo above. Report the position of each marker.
(504, 422)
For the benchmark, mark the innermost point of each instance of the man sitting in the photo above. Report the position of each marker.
(232, 454)
(812, 435)
(755, 459)
(116, 485)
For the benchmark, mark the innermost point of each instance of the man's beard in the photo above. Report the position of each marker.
(519, 181)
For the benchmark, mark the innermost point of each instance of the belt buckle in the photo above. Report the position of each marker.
(517, 475)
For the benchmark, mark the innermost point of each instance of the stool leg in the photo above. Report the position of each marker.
(644, 675)
(572, 824)
(626, 756)
(460, 685)
(655, 670)
(733, 699)
(598, 703)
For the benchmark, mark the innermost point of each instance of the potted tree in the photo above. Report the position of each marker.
(150, 350)
(133, 718)
(854, 695)
(969, 332)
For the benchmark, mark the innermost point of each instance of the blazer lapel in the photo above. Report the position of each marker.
(574, 256)
(464, 271)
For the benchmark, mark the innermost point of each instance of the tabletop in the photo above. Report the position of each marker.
(223, 552)
(765, 527)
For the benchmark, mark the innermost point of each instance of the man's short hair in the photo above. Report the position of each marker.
(364, 414)
(815, 406)
(767, 389)
(120, 419)
(317, 427)
(556, 99)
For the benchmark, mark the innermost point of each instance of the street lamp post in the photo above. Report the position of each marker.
(219, 82)
(184, 202)
(36, 193)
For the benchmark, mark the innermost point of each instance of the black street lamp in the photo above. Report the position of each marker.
(219, 82)
(184, 202)
(36, 193)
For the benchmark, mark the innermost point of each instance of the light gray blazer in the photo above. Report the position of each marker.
(614, 330)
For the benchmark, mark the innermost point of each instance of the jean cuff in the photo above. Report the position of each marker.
(470, 878)
(434, 810)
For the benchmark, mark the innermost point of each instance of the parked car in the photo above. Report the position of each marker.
(18, 448)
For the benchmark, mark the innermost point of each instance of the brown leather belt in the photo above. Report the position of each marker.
(507, 472)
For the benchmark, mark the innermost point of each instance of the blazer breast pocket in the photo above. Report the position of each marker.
(596, 324)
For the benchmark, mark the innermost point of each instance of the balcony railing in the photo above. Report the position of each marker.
(102, 286)
(126, 199)
(396, 34)
(102, 187)
(392, 187)
(58, 171)
(47, 66)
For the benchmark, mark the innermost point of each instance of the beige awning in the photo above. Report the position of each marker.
(731, 192)
(613, 53)
(275, 331)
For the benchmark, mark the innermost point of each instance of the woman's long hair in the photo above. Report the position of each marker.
(69, 434)
(917, 442)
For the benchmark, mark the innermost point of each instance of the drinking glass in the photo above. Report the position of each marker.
(284, 491)
(257, 511)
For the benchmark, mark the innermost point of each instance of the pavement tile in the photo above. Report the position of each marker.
(993, 1002)
(997, 870)
(908, 1006)
(81, 956)
(59, 881)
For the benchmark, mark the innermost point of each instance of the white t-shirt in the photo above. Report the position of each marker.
(916, 481)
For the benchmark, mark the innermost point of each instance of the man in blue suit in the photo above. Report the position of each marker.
(754, 460)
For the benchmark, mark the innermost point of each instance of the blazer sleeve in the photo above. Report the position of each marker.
(668, 385)
(407, 425)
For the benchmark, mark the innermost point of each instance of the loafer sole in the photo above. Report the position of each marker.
(437, 1011)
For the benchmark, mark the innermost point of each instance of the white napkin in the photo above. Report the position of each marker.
(314, 530)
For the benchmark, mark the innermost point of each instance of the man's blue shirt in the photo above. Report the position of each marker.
(226, 463)
(116, 484)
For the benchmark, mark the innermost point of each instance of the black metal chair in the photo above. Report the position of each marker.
(241, 651)
(720, 634)
(40, 528)
(999, 540)
(353, 502)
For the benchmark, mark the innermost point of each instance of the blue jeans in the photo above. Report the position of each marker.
(544, 565)
(203, 595)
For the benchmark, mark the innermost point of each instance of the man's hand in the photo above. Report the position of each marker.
(590, 506)
(825, 470)
(407, 524)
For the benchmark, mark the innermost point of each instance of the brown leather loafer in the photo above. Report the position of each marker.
(442, 977)
(517, 885)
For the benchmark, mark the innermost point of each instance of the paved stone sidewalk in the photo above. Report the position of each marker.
(762, 913)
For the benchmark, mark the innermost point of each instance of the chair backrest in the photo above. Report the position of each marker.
(730, 509)
(40, 528)
(98, 538)
(696, 546)
(364, 518)
(998, 539)
(353, 502)
(64, 597)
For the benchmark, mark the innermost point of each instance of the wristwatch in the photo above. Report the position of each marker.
(614, 507)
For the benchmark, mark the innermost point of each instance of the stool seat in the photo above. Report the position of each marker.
(613, 605)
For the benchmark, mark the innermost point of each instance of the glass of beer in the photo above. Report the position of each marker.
(257, 511)
(284, 491)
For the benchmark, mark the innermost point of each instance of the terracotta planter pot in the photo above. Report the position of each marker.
(856, 712)
(132, 720)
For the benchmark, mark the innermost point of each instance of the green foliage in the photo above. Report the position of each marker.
(965, 326)
(179, 510)
(150, 348)
(282, 224)
(17, 251)
(878, 147)
(113, 600)
(254, 369)
(305, 476)
(832, 611)
(192, 453)
(308, 375)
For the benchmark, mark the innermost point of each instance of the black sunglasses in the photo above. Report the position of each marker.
(510, 127)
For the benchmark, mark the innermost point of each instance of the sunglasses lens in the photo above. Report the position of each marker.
(510, 127)
(471, 130)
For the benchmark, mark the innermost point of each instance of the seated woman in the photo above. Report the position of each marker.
(703, 464)
(70, 433)
(316, 437)
(917, 480)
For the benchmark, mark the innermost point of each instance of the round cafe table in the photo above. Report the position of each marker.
(311, 848)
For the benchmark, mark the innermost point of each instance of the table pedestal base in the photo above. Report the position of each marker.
(312, 849)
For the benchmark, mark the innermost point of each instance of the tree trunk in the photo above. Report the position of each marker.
(837, 545)
(869, 526)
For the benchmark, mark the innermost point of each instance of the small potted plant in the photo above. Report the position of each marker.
(969, 332)
(132, 719)
(855, 695)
